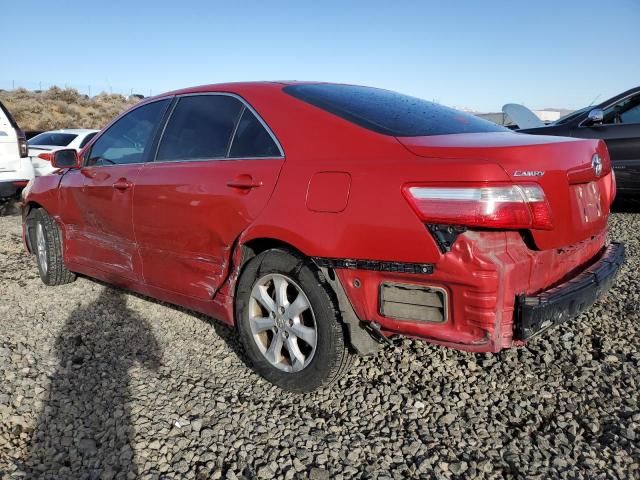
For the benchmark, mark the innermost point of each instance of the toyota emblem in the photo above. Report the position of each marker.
(596, 163)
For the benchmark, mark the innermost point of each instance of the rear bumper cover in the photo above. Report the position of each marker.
(536, 313)
(482, 275)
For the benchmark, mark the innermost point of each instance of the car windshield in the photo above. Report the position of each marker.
(571, 116)
(53, 138)
(388, 112)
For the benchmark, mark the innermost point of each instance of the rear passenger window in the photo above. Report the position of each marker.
(200, 128)
(252, 139)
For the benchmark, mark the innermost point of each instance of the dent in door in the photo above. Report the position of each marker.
(187, 218)
(105, 239)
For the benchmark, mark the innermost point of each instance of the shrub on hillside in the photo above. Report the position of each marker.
(62, 108)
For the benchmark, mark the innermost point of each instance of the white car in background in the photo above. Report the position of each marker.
(43, 145)
(15, 165)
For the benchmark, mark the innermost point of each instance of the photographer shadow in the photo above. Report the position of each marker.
(84, 429)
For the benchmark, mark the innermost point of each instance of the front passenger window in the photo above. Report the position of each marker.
(126, 140)
(632, 115)
(626, 111)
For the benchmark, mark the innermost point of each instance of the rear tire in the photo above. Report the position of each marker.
(288, 323)
(45, 243)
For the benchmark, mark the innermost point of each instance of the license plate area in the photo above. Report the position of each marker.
(588, 200)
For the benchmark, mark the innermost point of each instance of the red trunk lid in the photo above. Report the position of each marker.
(579, 197)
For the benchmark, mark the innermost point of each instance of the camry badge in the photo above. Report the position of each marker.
(596, 163)
(528, 173)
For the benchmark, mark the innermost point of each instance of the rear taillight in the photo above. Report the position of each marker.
(46, 156)
(485, 206)
(22, 144)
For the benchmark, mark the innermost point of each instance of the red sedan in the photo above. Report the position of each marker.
(321, 219)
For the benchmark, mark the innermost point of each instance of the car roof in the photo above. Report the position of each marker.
(220, 87)
(237, 87)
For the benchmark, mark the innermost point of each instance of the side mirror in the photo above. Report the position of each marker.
(65, 158)
(595, 116)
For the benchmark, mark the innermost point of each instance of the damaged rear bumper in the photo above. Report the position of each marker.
(537, 313)
(495, 292)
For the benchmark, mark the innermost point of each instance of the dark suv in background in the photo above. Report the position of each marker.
(617, 122)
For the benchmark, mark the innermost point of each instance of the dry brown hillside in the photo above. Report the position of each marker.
(62, 108)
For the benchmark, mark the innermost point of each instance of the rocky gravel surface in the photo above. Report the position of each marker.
(99, 383)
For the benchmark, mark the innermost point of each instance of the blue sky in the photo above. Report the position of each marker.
(477, 54)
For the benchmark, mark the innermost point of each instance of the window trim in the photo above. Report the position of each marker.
(86, 155)
(245, 105)
(232, 138)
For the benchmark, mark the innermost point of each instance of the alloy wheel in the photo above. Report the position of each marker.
(41, 245)
(282, 322)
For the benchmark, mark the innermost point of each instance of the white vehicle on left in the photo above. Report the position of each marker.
(43, 145)
(15, 166)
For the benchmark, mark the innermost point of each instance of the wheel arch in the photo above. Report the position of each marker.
(31, 205)
(27, 208)
(258, 245)
(359, 338)
(245, 249)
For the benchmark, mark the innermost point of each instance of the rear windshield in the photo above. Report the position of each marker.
(388, 112)
(52, 138)
(12, 121)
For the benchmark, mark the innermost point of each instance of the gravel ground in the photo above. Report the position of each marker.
(99, 383)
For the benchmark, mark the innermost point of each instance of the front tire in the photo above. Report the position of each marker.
(288, 323)
(45, 243)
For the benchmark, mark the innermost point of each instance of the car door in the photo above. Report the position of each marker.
(620, 129)
(215, 169)
(101, 192)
